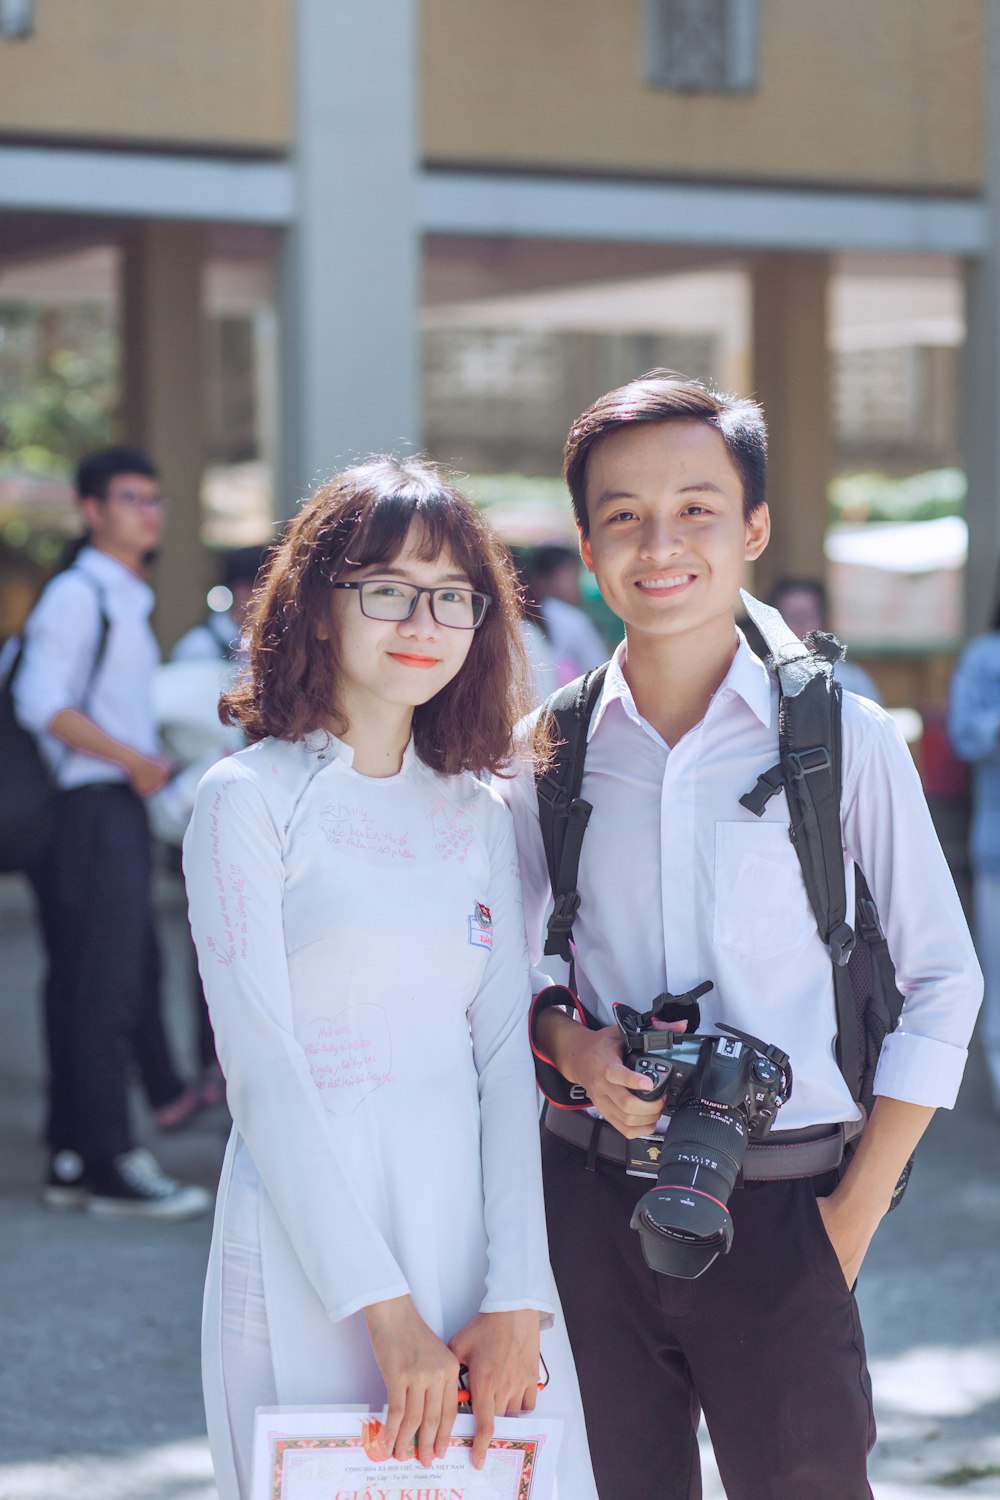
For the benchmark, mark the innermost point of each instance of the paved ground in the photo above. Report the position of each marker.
(99, 1392)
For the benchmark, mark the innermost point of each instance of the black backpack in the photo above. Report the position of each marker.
(809, 770)
(27, 785)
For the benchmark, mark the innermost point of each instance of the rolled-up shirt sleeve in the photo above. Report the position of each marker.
(60, 644)
(889, 834)
(235, 880)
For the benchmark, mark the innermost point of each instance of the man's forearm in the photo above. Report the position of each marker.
(889, 1140)
(83, 735)
(556, 1033)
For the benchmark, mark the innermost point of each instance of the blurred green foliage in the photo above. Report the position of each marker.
(59, 372)
(877, 497)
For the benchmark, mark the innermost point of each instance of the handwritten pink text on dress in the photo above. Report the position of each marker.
(349, 1056)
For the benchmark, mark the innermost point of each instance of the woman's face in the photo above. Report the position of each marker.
(403, 662)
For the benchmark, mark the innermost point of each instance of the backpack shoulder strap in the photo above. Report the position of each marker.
(102, 638)
(810, 769)
(562, 813)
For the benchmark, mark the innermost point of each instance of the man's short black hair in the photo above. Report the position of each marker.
(665, 396)
(97, 470)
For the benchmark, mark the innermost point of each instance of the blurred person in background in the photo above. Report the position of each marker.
(577, 644)
(202, 665)
(94, 890)
(545, 674)
(973, 724)
(802, 604)
(217, 638)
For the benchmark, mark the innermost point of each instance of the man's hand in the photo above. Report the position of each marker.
(850, 1228)
(501, 1351)
(855, 1208)
(421, 1380)
(593, 1059)
(147, 773)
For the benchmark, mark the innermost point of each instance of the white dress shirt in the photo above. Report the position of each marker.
(680, 884)
(61, 641)
(361, 942)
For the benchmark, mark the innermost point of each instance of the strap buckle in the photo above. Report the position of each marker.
(803, 763)
(560, 925)
(841, 944)
(564, 913)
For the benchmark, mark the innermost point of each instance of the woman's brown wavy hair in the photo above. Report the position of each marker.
(360, 518)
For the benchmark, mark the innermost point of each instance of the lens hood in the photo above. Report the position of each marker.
(681, 1230)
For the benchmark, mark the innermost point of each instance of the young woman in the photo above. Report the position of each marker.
(354, 900)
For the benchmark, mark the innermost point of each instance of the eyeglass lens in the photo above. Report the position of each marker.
(463, 609)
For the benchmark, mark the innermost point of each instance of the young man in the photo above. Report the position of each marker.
(84, 687)
(680, 885)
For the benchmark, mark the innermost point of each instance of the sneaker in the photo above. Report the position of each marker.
(135, 1186)
(66, 1185)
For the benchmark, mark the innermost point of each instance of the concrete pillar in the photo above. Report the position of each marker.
(164, 402)
(349, 297)
(791, 378)
(979, 403)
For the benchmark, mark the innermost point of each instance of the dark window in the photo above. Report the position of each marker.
(702, 46)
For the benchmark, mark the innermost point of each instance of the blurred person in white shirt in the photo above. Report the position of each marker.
(84, 688)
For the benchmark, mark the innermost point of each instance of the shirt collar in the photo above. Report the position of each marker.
(748, 678)
(321, 744)
(113, 575)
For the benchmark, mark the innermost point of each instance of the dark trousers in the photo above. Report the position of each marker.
(102, 1001)
(767, 1342)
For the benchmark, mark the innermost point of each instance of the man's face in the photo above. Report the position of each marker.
(668, 539)
(129, 522)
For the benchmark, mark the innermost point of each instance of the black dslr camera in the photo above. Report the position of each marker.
(720, 1092)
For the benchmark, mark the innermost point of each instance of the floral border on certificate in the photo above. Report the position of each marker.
(527, 1447)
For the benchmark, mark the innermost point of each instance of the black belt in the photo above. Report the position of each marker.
(788, 1153)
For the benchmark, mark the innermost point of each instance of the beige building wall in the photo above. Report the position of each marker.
(872, 92)
(213, 73)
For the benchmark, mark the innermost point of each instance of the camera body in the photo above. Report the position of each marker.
(730, 1068)
(721, 1091)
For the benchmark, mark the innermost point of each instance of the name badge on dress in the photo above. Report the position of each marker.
(481, 927)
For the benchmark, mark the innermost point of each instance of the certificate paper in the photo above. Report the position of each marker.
(321, 1454)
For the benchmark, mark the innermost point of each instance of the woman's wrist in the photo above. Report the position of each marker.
(389, 1314)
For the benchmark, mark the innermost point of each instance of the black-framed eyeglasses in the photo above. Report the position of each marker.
(388, 599)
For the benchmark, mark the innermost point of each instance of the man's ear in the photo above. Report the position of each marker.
(585, 554)
(90, 510)
(758, 533)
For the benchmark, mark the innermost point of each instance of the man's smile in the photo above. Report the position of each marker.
(663, 584)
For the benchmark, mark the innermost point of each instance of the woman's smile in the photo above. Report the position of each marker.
(410, 659)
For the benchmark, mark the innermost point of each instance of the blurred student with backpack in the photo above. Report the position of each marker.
(973, 725)
(83, 688)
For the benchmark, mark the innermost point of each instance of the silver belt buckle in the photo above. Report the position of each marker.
(643, 1156)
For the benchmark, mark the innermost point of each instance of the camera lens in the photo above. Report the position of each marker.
(684, 1222)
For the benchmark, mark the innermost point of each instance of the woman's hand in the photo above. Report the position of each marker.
(501, 1351)
(421, 1380)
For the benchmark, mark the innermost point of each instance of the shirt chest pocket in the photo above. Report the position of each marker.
(761, 906)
